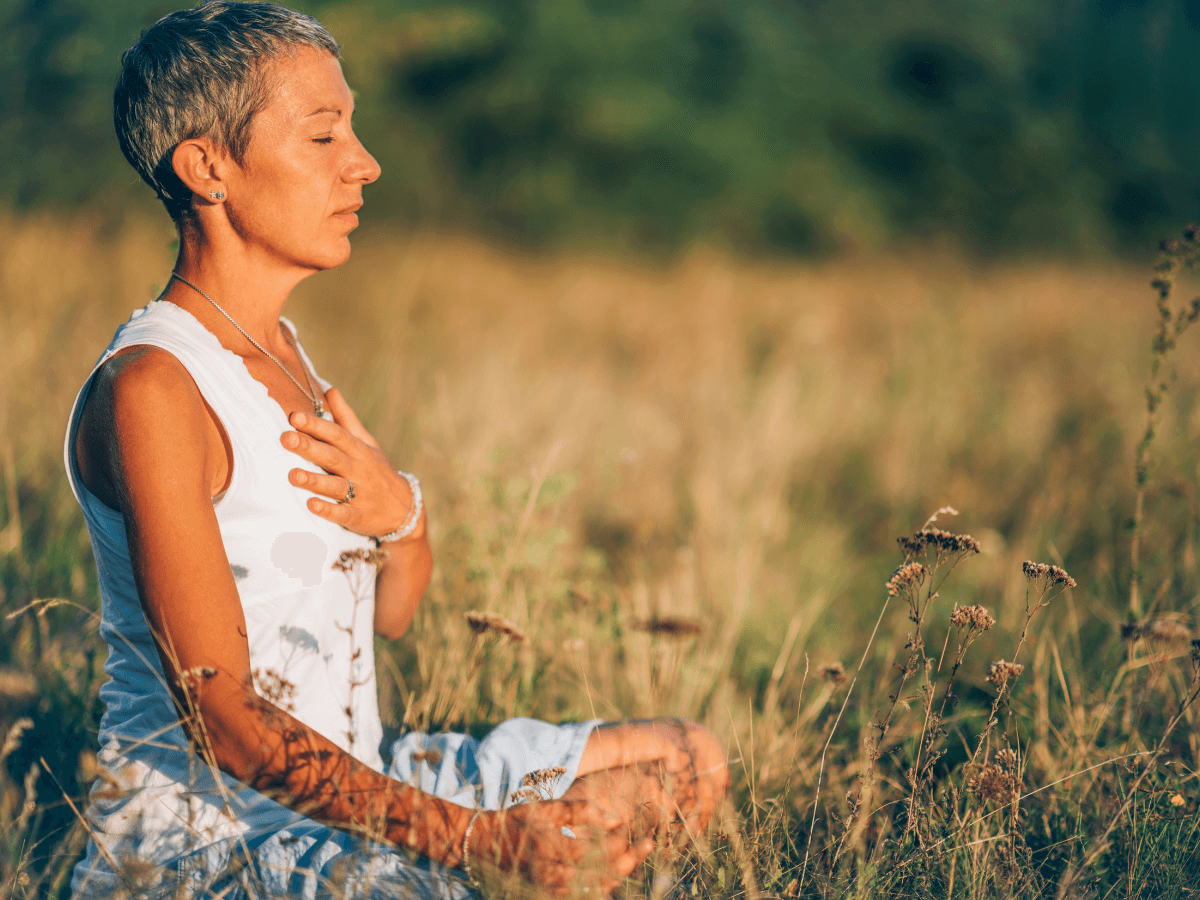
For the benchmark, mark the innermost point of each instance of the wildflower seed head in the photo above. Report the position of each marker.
(273, 687)
(538, 784)
(941, 541)
(523, 795)
(998, 781)
(543, 777)
(1051, 575)
(834, 672)
(1000, 672)
(350, 560)
(483, 622)
(974, 618)
(1165, 631)
(907, 577)
(670, 626)
(1007, 758)
(192, 679)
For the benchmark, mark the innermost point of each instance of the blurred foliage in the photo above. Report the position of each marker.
(773, 126)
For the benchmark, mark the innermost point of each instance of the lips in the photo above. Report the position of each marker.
(349, 210)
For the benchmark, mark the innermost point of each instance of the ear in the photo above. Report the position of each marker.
(200, 166)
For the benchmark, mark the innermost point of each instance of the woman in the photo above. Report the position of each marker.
(234, 502)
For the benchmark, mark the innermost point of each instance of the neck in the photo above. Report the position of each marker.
(251, 290)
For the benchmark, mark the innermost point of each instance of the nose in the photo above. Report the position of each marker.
(363, 168)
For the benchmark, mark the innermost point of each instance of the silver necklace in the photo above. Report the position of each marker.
(313, 395)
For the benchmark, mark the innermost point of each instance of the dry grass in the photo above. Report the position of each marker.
(682, 488)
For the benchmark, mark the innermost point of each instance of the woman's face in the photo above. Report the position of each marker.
(294, 197)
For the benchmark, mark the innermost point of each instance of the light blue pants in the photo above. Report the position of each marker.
(309, 860)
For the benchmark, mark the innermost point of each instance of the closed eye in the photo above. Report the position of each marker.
(324, 140)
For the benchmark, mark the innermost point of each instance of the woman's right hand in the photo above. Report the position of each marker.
(529, 839)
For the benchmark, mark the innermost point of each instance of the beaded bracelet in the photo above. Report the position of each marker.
(414, 514)
(465, 850)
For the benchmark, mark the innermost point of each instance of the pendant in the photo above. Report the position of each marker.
(319, 409)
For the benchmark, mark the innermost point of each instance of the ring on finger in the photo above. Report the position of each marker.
(349, 492)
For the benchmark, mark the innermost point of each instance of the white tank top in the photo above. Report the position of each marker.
(307, 623)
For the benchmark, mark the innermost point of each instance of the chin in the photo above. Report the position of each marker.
(332, 257)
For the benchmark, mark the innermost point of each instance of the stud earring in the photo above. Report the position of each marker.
(217, 195)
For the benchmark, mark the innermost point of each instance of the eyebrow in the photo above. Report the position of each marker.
(325, 109)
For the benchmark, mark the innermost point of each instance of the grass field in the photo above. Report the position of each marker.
(684, 487)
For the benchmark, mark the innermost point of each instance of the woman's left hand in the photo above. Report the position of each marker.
(349, 454)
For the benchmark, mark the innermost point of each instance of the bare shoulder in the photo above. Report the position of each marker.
(143, 413)
(142, 369)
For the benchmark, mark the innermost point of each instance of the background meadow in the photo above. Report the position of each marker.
(675, 388)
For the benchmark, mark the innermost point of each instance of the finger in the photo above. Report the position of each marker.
(346, 417)
(328, 457)
(342, 513)
(335, 487)
(608, 885)
(323, 430)
(623, 865)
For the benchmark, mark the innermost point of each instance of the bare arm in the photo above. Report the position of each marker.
(147, 443)
(401, 582)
